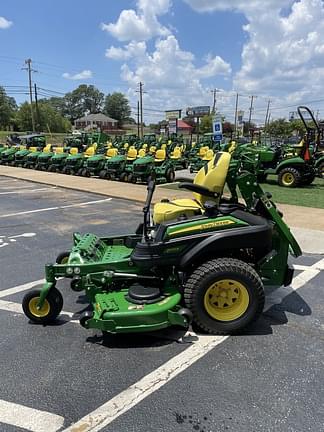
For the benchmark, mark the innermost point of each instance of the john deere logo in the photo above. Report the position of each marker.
(203, 227)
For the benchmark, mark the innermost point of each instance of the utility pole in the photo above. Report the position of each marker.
(251, 108)
(266, 117)
(140, 91)
(30, 70)
(214, 93)
(235, 121)
(138, 119)
(37, 110)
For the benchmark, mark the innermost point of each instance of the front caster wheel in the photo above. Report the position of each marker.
(51, 308)
(85, 317)
(62, 258)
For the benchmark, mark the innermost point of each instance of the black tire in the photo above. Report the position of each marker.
(123, 177)
(320, 170)
(51, 309)
(79, 172)
(84, 172)
(170, 175)
(65, 170)
(261, 178)
(289, 177)
(214, 273)
(61, 257)
(185, 164)
(85, 317)
(103, 174)
(130, 178)
(307, 179)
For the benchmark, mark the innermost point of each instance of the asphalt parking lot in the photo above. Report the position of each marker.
(65, 378)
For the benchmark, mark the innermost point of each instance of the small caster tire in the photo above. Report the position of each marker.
(51, 308)
(84, 318)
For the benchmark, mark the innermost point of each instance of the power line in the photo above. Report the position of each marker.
(30, 70)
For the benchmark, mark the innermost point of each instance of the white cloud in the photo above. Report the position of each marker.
(133, 49)
(141, 24)
(4, 23)
(170, 75)
(283, 55)
(86, 74)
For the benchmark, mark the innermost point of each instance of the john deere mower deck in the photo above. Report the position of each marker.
(205, 259)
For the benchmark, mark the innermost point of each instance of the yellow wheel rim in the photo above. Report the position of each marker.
(39, 313)
(226, 300)
(65, 260)
(288, 179)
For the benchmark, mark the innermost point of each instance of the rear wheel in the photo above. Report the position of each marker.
(225, 295)
(62, 258)
(170, 175)
(307, 179)
(289, 177)
(320, 170)
(123, 177)
(50, 310)
(103, 174)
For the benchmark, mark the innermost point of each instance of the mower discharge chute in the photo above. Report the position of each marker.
(204, 259)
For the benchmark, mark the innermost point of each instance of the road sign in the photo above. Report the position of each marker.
(217, 128)
(175, 114)
(173, 126)
(198, 111)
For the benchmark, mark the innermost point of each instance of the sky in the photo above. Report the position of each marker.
(180, 49)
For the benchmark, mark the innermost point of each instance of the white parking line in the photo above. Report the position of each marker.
(27, 190)
(124, 401)
(56, 208)
(127, 399)
(29, 419)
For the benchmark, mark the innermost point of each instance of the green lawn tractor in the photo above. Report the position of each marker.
(58, 160)
(75, 161)
(7, 156)
(294, 167)
(30, 161)
(94, 165)
(28, 142)
(205, 260)
(149, 167)
(314, 137)
(116, 168)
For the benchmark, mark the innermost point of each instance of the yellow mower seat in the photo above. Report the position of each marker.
(58, 150)
(141, 152)
(203, 151)
(74, 151)
(89, 152)
(46, 149)
(212, 176)
(160, 155)
(111, 152)
(209, 155)
(176, 154)
(132, 153)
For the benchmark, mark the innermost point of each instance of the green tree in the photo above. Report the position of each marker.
(83, 100)
(206, 124)
(47, 118)
(117, 107)
(8, 108)
(279, 128)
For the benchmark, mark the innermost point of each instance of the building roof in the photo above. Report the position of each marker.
(96, 117)
(183, 125)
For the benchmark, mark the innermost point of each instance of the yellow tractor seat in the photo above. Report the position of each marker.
(132, 153)
(89, 152)
(211, 178)
(74, 151)
(203, 151)
(160, 155)
(33, 149)
(58, 150)
(176, 154)
(46, 149)
(111, 152)
(209, 155)
(163, 146)
(152, 149)
(141, 152)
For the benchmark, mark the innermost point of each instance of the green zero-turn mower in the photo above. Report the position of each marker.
(204, 260)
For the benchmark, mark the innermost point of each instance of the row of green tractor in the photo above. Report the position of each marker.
(134, 160)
